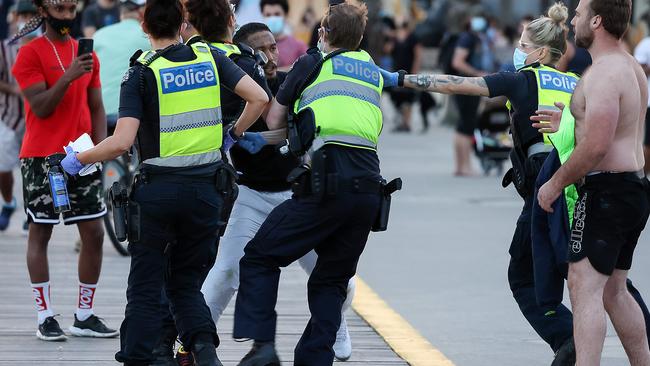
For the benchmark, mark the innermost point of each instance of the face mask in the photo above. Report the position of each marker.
(275, 24)
(478, 24)
(321, 45)
(61, 26)
(519, 58)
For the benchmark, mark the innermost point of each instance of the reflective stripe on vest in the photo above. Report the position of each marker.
(339, 87)
(552, 86)
(225, 48)
(190, 109)
(345, 99)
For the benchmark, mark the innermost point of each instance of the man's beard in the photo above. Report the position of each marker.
(585, 41)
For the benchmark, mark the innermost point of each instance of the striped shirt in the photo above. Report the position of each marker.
(12, 112)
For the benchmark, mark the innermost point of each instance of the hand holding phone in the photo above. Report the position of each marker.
(85, 46)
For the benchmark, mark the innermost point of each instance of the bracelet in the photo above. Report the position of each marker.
(400, 78)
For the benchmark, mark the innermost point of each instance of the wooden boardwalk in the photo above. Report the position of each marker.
(19, 345)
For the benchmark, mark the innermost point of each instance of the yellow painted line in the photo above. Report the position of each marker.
(407, 342)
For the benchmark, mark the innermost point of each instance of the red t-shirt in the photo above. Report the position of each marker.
(37, 63)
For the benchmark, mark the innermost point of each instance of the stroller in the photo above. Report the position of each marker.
(492, 141)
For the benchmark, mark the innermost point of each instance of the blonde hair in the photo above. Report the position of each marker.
(551, 30)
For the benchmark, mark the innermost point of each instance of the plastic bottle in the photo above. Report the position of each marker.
(58, 189)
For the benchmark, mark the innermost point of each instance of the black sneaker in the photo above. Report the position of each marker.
(566, 355)
(50, 331)
(92, 327)
(262, 354)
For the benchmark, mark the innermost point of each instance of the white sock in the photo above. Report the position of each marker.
(85, 303)
(41, 293)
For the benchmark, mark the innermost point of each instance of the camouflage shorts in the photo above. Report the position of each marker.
(86, 195)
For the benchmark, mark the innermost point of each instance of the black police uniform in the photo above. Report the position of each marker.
(521, 89)
(252, 169)
(336, 227)
(180, 211)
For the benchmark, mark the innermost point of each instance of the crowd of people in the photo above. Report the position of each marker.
(217, 209)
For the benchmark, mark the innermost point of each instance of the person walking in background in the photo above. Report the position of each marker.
(406, 55)
(12, 113)
(98, 15)
(62, 101)
(114, 56)
(275, 16)
(467, 61)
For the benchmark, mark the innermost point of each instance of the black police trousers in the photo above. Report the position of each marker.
(337, 229)
(177, 247)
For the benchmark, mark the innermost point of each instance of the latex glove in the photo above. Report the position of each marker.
(391, 79)
(229, 139)
(70, 163)
(253, 142)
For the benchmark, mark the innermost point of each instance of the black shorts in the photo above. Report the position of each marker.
(611, 212)
(86, 195)
(402, 96)
(468, 112)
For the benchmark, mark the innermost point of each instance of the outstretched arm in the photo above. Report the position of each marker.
(448, 84)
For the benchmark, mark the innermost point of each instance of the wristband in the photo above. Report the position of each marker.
(400, 78)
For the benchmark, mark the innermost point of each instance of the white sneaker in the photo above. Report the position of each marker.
(343, 345)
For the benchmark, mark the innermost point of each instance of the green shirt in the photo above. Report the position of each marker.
(114, 45)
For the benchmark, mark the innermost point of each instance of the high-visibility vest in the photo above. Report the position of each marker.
(552, 86)
(190, 109)
(226, 48)
(345, 99)
(564, 141)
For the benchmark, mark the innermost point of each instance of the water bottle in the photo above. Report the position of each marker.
(57, 181)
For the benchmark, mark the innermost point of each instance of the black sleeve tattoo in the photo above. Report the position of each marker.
(432, 82)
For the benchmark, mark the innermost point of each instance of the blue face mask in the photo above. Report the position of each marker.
(275, 24)
(519, 58)
(478, 24)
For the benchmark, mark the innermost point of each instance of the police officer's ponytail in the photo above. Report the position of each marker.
(210, 18)
(163, 18)
(551, 30)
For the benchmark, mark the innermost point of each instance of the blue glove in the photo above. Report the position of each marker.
(391, 79)
(229, 139)
(252, 142)
(70, 163)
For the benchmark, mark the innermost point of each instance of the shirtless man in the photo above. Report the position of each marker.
(612, 210)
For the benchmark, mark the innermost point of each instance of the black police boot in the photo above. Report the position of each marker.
(566, 355)
(205, 354)
(262, 354)
(164, 351)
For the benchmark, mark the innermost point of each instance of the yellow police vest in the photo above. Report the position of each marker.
(190, 109)
(345, 99)
(552, 86)
(225, 48)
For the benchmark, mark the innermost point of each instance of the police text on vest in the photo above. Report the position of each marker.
(356, 69)
(187, 77)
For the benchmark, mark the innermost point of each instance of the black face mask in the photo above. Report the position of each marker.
(61, 26)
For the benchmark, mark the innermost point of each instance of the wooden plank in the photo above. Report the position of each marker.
(19, 345)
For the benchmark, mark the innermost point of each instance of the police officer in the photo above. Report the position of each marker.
(536, 86)
(170, 100)
(211, 22)
(336, 93)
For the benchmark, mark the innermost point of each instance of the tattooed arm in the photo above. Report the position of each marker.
(448, 84)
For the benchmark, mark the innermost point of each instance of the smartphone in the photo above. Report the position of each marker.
(85, 46)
